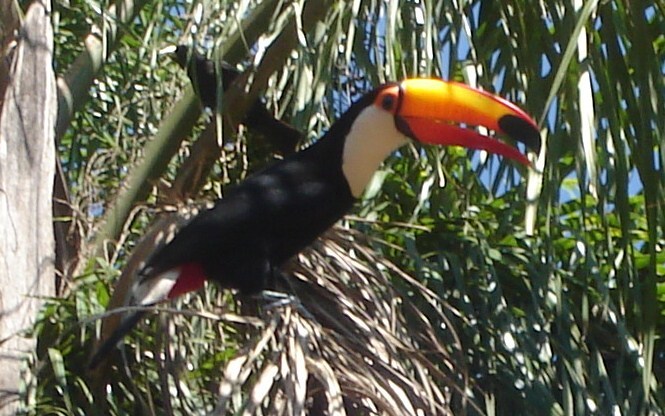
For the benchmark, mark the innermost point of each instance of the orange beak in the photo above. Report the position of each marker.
(431, 111)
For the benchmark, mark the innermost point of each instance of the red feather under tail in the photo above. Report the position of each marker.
(192, 277)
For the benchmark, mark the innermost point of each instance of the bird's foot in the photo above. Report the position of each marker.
(281, 299)
(276, 299)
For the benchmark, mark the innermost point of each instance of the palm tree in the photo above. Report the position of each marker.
(460, 284)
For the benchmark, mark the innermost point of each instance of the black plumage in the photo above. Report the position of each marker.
(269, 217)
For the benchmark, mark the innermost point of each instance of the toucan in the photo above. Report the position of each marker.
(242, 241)
(205, 76)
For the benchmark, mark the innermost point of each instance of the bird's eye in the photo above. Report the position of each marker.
(388, 102)
(388, 98)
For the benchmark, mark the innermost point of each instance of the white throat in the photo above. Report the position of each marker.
(372, 138)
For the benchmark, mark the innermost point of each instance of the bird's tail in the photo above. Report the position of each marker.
(149, 290)
(282, 136)
(126, 325)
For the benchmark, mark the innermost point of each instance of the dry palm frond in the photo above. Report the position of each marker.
(343, 344)
(343, 340)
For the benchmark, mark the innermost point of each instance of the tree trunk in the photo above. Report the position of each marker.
(27, 164)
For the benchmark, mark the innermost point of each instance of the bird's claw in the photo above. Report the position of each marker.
(282, 299)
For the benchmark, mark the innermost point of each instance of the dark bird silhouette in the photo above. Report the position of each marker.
(205, 78)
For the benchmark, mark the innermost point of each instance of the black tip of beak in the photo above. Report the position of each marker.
(521, 130)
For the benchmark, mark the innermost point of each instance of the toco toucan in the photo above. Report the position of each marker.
(275, 213)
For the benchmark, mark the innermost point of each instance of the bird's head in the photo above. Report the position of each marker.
(432, 111)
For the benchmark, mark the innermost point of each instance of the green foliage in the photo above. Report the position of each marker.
(561, 312)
